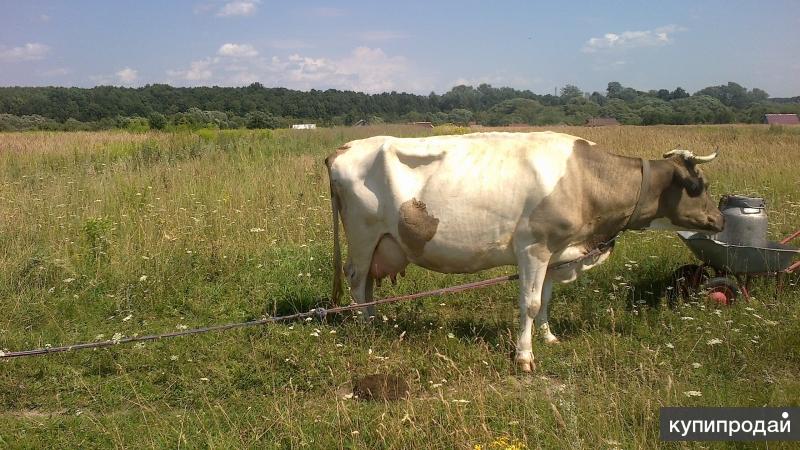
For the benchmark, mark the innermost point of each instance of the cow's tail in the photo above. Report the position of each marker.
(336, 295)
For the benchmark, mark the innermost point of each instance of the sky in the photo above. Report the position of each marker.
(410, 46)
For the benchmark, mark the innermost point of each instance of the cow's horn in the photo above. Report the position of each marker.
(705, 159)
(689, 156)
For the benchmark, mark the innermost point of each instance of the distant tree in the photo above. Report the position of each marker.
(757, 95)
(618, 109)
(614, 89)
(700, 109)
(598, 98)
(157, 121)
(460, 116)
(569, 92)
(260, 119)
(663, 94)
(678, 93)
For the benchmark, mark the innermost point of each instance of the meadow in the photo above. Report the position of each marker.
(112, 234)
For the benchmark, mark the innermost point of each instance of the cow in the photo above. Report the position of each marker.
(549, 203)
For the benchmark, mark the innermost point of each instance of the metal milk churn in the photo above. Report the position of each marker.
(745, 221)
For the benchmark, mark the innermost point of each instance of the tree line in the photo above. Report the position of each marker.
(161, 106)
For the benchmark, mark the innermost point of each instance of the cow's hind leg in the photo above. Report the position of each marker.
(542, 327)
(361, 286)
(361, 283)
(532, 262)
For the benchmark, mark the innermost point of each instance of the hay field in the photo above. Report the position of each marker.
(117, 234)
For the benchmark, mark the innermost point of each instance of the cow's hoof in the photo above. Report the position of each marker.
(550, 339)
(526, 366)
(524, 361)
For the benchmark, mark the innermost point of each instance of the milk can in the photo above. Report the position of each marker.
(745, 221)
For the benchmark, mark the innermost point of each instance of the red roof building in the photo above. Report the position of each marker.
(781, 119)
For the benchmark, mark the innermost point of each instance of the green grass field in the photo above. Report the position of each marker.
(117, 234)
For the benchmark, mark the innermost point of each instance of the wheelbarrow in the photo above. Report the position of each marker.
(733, 266)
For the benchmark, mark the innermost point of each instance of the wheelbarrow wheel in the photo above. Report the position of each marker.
(721, 290)
(686, 280)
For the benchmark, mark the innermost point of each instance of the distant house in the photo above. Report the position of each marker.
(602, 122)
(304, 126)
(422, 124)
(781, 119)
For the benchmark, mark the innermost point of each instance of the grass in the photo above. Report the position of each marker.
(118, 233)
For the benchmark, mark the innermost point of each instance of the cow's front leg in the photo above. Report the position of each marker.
(542, 327)
(532, 263)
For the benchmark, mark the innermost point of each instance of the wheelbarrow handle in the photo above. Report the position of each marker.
(794, 235)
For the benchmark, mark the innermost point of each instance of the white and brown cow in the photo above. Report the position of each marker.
(461, 204)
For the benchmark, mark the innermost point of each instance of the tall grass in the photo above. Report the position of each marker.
(119, 233)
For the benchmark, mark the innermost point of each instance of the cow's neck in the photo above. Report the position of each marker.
(660, 176)
(617, 189)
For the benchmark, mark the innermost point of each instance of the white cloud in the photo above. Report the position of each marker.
(28, 52)
(127, 75)
(632, 39)
(364, 69)
(197, 71)
(239, 8)
(237, 51)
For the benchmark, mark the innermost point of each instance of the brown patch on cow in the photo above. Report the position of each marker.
(416, 226)
(380, 387)
(332, 157)
(591, 203)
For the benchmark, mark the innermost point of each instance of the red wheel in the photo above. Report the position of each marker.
(722, 290)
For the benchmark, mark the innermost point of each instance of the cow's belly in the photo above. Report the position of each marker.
(462, 257)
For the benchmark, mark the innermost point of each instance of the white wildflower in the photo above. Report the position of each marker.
(69, 280)
(697, 365)
(714, 341)
(173, 358)
(669, 345)
(117, 337)
(257, 230)
(181, 326)
(693, 394)
(143, 278)
(127, 318)
(451, 335)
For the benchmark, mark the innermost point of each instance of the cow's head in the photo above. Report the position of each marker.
(685, 202)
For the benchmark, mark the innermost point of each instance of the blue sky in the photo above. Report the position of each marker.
(410, 46)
